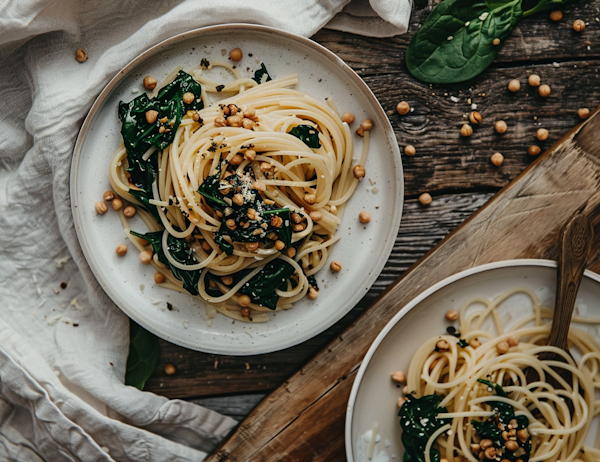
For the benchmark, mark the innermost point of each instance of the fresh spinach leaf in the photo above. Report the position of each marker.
(456, 41)
(463, 343)
(261, 288)
(261, 75)
(307, 134)
(210, 190)
(143, 354)
(418, 420)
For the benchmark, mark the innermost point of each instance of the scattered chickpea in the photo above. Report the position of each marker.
(475, 117)
(366, 125)
(151, 116)
(399, 377)
(81, 55)
(534, 150)
(360, 131)
(310, 199)
(501, 126)
(129, 211)
(497, 159)
(544, 90)
(502, 347)
(236, 160)
(313, 293)
(188, 97)
(348, 117)
(403, 107)
(159, 278)
(244, 300)
(247, 124)
(236, 54)
(364, 217)
(512, 341)
(542, 134)
(425, 199)
(578, 26)
(583, 113)
(220, 122)
(474, 343)
(490, 453)
(410, 150)
(556, 15)
(466, 130)
(150, 82)
(169, 369)
(335, 266)
(145, 257)
(359, 171)
(442, 345)
(496, 41)
(265, 167)
(117, 204)
(511, 445)
(252, 246)
(514, 85)
(401, 402)
(234, 121)
(108, 196)
(291, 252)
(250, 113)
(279, 245)
(315, 215)
(121, 249)
(101, 207)
(534, 80)
(250, 155)
(452, 315)
(245, 312)
(259, 186)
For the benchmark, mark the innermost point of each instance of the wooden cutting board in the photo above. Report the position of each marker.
(303, 420)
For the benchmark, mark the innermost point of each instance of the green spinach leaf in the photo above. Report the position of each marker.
(261, 75)
(261, 288)
(307, 134)
(143, 354)
(456, 41)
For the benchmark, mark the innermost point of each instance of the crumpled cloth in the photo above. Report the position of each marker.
(63, 352)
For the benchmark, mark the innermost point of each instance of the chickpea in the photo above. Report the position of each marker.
(220, 122)
(121, 249)
(512, 341)
(230, 224)
(425, 199)
(475, 117)
(310, 199)
(299, 227)
(169, 369)
(399, 377)
(578, 26)
(162, 130)
(238, 199)
(101, 207)
(542, 134)
(227, 280)
(145, 257)
(117, 204)
(250, 155)
(556, 15)
(452, 315)
(502, 347)
(442, 345)
(315, 215)
(544, 90)
(188, 97)
(276, 221)
(485, 444)
(466, 130)
(279, 245)
(129, 211)
(534, 150)
(313, 293)
(237, 159)
(348, 117)
(333, 210)
(410, 150)
(291, 252)
(523, 435)
(151, 116)
(250, 113)
(335, 266)
(150, 82)
(259, 186)
(247, 124)
(501, 126)
(245, 312)
(297, 218)
(81, 55)
(196, 117)
(511, 445)
(490, 453)
(251, 214)
(108, 196)
(366, 125)
(252, 246)
(236, 54)
(159, 278)
(359, 171)
(534, 80)
(475, 343)
(514, 85)
(496, 41)
(403, 108)
(583, 113)
(265, 167)
(364, 217)
(234, 121)
(360, 131)
(497, 159)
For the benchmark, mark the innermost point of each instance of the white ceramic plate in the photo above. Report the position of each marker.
(374, 395)
(363, 250)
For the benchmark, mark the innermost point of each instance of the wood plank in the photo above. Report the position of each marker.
(313, 402)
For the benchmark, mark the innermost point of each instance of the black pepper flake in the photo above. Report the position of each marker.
(111, 364)
(452, 331)
(250, 54)
(204, 62)
(219, 88)
(169, 306)
(63, 285)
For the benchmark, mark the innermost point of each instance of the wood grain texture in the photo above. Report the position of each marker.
(522, 221)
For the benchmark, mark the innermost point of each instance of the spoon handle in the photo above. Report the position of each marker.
(575, 243)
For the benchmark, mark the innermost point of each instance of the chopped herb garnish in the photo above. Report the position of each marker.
(204, 62)
(463, 343)
(261, 75)
(219, 88)
(169, 306)
(307, 134)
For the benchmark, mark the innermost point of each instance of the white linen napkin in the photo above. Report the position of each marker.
(63, 352)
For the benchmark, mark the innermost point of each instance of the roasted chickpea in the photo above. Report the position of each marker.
(403, 108)
(399, 377)
(335, 266)
(150, 82)
(129, 211)
(121, 249)
(534, 80)
(534, 150)
(425, 199)
(359, 171)
(501, 126)
(366, 125)
(117, 204)
(236, 54)
(159, 278)
(497, 159)
(244, 300)
(410, 150)
(542, 134)
(169, 369)
(101, 207)
(514, 85)
(313, 293)
(583, 113)
(145, 257)
(578, 26)
(452, 315)
(348, 117)
(364, 217)
(466, 130)
(151, 116)
(556, 15)
(544, 90)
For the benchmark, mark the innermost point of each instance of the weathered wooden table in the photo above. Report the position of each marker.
(456, 171)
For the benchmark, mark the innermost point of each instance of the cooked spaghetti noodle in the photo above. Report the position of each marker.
(545, 421)
(280, 165)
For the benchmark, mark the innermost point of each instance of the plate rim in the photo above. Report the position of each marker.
(534, 262)
(153, 51)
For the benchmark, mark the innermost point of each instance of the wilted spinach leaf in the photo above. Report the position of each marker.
(261, 75)
(143, 354)
(261, 288)
(307, 134)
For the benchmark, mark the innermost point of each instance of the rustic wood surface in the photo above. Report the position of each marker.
(456, 171)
